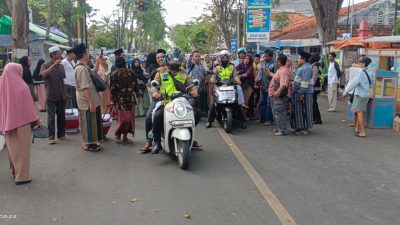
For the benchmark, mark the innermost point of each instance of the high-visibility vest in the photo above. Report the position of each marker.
(226, 73)
(168, 86)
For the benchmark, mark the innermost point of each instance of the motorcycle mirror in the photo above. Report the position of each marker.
(154, 83)
(196, 82)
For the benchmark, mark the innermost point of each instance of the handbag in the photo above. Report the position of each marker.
(98, 83)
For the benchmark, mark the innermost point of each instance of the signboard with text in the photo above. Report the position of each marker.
(233, 45)
(258, 20)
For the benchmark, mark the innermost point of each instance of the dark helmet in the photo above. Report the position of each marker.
(175, 56)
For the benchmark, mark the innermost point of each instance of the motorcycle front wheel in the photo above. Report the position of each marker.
(183, 150)
(228, 122)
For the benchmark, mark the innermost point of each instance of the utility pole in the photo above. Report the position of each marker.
(351, 19)
(48, 20)
(20, 28)
(238, 24)
(395, 16)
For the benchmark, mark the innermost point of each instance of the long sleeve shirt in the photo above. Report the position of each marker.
(360, 84)
(303, 81)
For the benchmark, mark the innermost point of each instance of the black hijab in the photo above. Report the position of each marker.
(27, 75)
(138, 70)
(36, 74)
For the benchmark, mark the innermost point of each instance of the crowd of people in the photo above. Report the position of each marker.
(271, 90)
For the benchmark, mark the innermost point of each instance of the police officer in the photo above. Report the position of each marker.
(224, 71)
(173, 80)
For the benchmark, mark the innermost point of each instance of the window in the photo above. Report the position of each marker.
(386, 63)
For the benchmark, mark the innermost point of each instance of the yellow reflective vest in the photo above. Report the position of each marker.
(226, 73)
(168, 86)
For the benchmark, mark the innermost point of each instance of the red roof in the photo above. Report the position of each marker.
(304, 27)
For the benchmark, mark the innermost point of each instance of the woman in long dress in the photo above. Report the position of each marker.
(102, 71)
(137, 69)
(126, 95)
(17, 113)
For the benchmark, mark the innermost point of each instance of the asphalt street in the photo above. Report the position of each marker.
(327, 178)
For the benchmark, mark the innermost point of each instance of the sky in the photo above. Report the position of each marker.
(178, 11)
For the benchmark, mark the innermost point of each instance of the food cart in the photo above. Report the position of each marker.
(385, 97)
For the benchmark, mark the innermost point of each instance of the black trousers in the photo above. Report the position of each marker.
(53, 109)
(158, 122)
(316, 112)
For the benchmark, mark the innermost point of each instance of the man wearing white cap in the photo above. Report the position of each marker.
(54, 74)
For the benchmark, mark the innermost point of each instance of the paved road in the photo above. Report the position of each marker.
(327, 178)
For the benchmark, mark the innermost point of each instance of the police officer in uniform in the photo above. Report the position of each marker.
(224, 71)
(173, 80)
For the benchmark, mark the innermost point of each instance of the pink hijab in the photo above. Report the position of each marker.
(16, 104)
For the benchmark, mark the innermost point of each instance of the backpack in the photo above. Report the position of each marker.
(338, 72)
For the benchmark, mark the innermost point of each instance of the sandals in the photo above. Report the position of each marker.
(127, 141)
(196, 144)
(92, 148)
(360, 136)
(117, 140)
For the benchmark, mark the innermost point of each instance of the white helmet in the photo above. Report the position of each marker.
(224, 53)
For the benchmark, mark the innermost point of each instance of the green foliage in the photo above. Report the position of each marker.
(4, 10)
(200, 34)
(64, 13)
(397, 27)
(104, 40)
(281, 19)
(128, 24)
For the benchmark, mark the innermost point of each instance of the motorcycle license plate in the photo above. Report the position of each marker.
(227, 95)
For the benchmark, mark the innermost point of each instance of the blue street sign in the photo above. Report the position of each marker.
(259, 3)
(258, 20)
(233, 45)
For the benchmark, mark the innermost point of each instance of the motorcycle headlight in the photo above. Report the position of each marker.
(180, 110)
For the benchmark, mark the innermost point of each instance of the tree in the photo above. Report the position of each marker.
(223, 14)
(200, 34)
(65, 14)
(281, 19)
(20, 27)
(5, 7)
(327, 13)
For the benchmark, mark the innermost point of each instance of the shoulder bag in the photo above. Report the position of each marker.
(98, 83)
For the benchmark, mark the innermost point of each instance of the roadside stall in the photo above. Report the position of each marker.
(385, 97)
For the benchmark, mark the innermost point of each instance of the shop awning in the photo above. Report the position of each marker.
(356, 41)
(6, 29)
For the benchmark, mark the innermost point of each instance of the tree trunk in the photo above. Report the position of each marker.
(48, 19)
(327, 13)
(20, 28)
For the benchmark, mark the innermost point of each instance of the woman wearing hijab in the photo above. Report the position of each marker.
(126, 95)
(245, 77)
(39, 86)
(102, 70)
(137, 69)
(27, 75)
(17, 113)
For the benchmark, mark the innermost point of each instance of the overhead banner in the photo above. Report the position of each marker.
(258, 20)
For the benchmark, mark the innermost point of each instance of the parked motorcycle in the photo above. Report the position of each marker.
(226, 105)
(179, 126)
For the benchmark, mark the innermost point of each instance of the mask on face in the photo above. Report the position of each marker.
(224, 63)
(174, 68)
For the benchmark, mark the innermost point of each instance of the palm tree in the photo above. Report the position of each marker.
(105, 23)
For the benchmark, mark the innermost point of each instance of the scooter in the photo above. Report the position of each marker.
(226, 105)
(179, 126)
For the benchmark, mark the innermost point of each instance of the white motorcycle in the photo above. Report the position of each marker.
(226, 105)
(179, 126)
